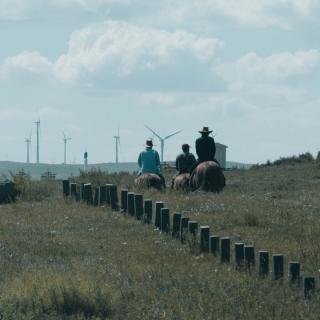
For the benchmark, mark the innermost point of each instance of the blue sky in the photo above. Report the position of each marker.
(247, 69)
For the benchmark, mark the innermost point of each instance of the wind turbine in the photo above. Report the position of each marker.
(117, 140)
(65, 140)
(28, 142)
(162, 140)
(38, 146)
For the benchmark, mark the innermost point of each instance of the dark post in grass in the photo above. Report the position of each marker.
(138, 206)
(204, 238)
(309, 286)
(249, 256)
(193, 228)
(239, 254)
(108, 199)
(124, 200)
(165, 220)
(113, 191)
(147, 213)
(81, 193)
(278, 262)
(176, 221)
(130, 205)
(263, 263)
(183, 228)
(293, 271)
(96, 196)
(66, 188)
(157, 221)
(73, 190)
(87, 193)
(102, 195)
(225, 250)
(214, 244)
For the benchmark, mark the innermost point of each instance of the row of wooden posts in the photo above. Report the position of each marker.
(184, 229)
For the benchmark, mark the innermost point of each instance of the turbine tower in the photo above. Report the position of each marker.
(38, 146)
(162, 140)
(117, 141)
(28, 142)
(65, 140)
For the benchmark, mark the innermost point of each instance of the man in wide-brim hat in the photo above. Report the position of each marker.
(149, 161)
(205, 147)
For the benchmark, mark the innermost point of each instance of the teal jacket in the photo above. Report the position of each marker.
(149, 161)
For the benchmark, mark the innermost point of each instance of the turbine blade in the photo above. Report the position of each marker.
(171, 135)
(153, 132)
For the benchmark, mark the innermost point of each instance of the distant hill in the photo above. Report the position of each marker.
(65, 171)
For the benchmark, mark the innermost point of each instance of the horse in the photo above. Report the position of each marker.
(148, 181)
(207, 176)
(182, 182)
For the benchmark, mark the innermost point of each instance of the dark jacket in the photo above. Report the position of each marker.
(184, 162)
(205, 148)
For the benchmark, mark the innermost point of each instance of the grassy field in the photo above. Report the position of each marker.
(64, 260)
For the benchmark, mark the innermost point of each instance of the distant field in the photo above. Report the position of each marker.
(64, 260)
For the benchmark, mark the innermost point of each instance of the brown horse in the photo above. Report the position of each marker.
(149, 181)
(208, 176)
(182, 182)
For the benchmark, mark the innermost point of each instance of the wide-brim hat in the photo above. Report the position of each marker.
(149, 143)
(205, 130)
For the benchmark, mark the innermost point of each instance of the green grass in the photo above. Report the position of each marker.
(64, 260)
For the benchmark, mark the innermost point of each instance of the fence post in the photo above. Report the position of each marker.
(165, 220)
(263, 263)
(108, 198)
(147, 214)
(193, 228)
(88, 193)
(102, 195)
(309, 286)
(294, 271)
(249, 256)
(81, 193)
(124, 200)
(204, 238)
(157, 221)
(214, 244)
(66, 188)
(225, 250)
(176, 221)
(138, 206)
(114, 197)
(239, 254)
(130, 204)
(96, 196)
(73, 190)
(278, 261)
(183, 228)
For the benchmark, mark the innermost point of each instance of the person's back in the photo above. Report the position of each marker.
(149, 161)
(185, 160)
(205, 148)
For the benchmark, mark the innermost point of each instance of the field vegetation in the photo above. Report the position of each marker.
(64, 260)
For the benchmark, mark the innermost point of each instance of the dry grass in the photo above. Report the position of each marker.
(61, 260)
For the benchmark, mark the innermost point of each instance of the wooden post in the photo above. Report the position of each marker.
(130, 205)
(66, 188)
(183, 228)
(165, 220)
(263, 263)
(147, 213)
(249, 256)
(293, 271)
(108, 199)
(214, 244)
(278, 262)
(309, 286)
(73, 190)
(204, 239)
(193, 228)
(138, 206)
(81, 193)
(124, 200)
(176, 221)
(102, 195)
(88, 193)
(239, 254)
(96, 196)
(157, 221)
(225, 250)
(113, 190)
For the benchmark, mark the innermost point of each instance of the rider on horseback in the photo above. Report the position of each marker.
(149, 162)
(185, 160)
(205, 148)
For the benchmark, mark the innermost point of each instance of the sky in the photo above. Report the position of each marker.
(248, 69)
